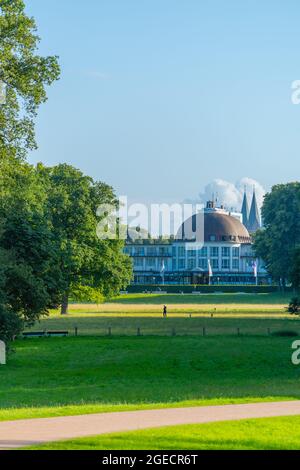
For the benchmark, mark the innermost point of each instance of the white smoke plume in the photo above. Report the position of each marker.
(231, 195)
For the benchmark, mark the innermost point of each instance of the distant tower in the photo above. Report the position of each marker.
(254, 217)
(245, 210)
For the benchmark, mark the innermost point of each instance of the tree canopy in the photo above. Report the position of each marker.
(30, 281)
(48, 243)
(25, 75)
(277, 243)
(84, 260)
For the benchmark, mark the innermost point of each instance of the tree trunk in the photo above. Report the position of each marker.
(65, 304)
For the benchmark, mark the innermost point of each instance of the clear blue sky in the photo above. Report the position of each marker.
(159, 97)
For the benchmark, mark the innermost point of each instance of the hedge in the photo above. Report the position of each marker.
(204, 289)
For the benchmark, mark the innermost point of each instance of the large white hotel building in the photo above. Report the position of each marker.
(224, 256)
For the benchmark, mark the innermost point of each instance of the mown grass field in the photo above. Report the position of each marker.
(88, 324)
(147, 304)
(215, 298)
(257, 314)
(94, 372)
(257, 434)
(55, 377)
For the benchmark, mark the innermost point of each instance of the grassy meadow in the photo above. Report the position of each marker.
(64, 376)
(273, 303)
(220, 314)
(170, 364)
(257, 434)
(218, 298)
(95, 324)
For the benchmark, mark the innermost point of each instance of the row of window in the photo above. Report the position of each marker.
(148, 251)
(152, 263)
(149, 263)
(212, 252)
(203, 264)
(182, 252)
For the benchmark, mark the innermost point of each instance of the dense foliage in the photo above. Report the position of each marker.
(278, 243)
(25, 75)
(295, 269)
(294, 306)
(48, 243)
(30, 281)
(84, 260)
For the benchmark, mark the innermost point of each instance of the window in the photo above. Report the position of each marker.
(203, 252)
(235, 264)
(181, 264)
(225, 252)
(214, 252)
(181, 251)
(214, 263)
(203, 264)
(163, 251)
(139, 251)
(191, 253)
(225, 263)
(139, 263)
(191, 263)
(235, 252)
(151, 251)
(212, 238)
(151, 263)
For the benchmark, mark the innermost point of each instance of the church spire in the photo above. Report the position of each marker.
(245, 209)
(254, 217)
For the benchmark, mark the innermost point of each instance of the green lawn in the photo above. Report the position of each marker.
(95, 324)
(124, 310)
(221, 314)
(94, 373)
(217, 298)
(228, 304)
(257, 434)
(51, 377)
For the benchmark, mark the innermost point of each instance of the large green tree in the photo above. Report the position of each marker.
(25, 74)
(30, 280)
(277, 243)
(48, 242)
(72, 203)
(295, 269)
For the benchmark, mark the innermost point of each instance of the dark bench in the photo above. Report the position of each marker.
(45, 334)
(34, 334)
(57, 333)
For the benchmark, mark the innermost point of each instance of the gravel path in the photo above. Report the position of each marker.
(15, 434)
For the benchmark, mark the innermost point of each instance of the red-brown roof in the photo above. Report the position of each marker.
(214, 226)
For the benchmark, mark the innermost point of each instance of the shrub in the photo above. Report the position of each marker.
(294, 306)
(204, 289)
(11, 324)
(289, 334)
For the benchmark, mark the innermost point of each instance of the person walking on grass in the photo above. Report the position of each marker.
(165, 311)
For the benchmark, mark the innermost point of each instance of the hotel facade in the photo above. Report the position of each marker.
(212, 247)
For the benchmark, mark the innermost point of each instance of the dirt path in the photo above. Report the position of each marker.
(14, 434)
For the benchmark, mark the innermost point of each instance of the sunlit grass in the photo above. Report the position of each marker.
(227, 304)
(258, 434)
(121, 324)
(12, 414)
(217, 298)
(55, 377)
